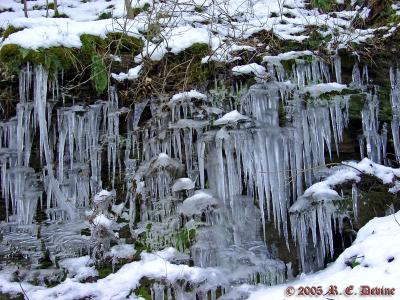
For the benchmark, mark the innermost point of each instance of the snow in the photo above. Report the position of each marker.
(120, 284)
(185, 28)
(103, 221)
(101, 196)
(79, 268)
(319, 89)
(349, 172)
(252, 68)
(286, 56)
(122, 251)
(182, 184)
(200, 202)
(193, 94)
(133, 74)
(231, 118)
(377, 253)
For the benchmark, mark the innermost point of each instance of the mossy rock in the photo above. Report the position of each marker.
(356, 104)
(374, 198)
(52, 59)
(144, 288)
(104, 271)
(91, 43)
(104, 16)
(121, 42)
(10, 30)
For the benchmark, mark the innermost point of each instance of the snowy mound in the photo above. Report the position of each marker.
(120, 284)
(322, 88)
(286, 56)
(162, 162)
(132, 74)
(183, 184)
(252, 68)
(200, 202)
(373, 260)
(193, 94)
(102, 196)
(324, 190)
(232, 117)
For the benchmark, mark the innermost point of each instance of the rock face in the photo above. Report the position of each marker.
(233, 178)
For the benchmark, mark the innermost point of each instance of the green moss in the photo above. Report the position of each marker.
(356, 104)
(323, 5)
(330, 95)
(92, 43)
(144, 288)
(99, 73)
(10, 30)
(122, 42)
(287, 65)
(104, 15)
(52, 58)
(316, 39)
(137, 10)
(104, 271)
(60, 15)
(185, 238)
(50, 5)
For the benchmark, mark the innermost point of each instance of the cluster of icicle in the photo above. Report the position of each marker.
(68, 158)
(321, 218)
(232, 159)
(395, 102)
(189, 166)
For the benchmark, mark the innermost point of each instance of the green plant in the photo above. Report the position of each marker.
(185, 238)
(99, 73)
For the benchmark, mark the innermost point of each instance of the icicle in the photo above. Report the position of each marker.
(337, 62)
(354, 197)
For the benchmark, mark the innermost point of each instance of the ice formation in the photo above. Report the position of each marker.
(206, 174)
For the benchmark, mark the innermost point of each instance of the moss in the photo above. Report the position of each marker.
(92, 43)
(52, 58)
(330, 95)
(315, 39)
(385, 108)
(356, 104)
(10, 30)
(185, 238)
(121, 42)
(287, 65)
(60, 15)
(137, 10)
(374, 198)
(5, 296)
(144, 288)
(104, 15)
(104, 271)
(323, 5)
(50, 5)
